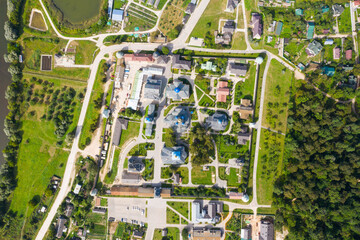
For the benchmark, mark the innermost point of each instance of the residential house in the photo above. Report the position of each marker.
(272, 26)
(279, 28)
(120, 124)
(185, 19)
(311, 30)
(178, 119)
(227, 33)
(243, 136)
(238, 69)
(60, 226)
(231, 5)
(257, 26)
(329, 71)
(202, 233)
(68, 210)
(177, 91)
(77, 189)
(329, 41)
(299, 12)
(337, 10)
(222, 91)
(177, 63)
(138, 234)
(117, 15)
(208, 66)
(336, 53)
(190, 8)
(218, 121)
(173, 156)
(348, 54)
(152, 89)
(266, 230)
(245, 233)
(314, 48)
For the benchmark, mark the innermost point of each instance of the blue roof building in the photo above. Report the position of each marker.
(118, 15)
(325, 9)
(329, 71)
(299, 12)
(279, 28)
(311, 29)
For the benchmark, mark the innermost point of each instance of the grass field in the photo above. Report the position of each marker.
(172, 217)
(85, 52)
(270, 164)
(184, 174)
(131, 132)
(238, 42)
(39, 158)
(232, 179)
(173, 234)
(93, 112)
(246, 89)
(110, 177)
(171, 20)
(97, 223)
(198, 176)
(209, 20)
(277, 95)
(181, 207)
(345, 21)
(118, 4)
(240, 22)
(199, 93)
(38, 22)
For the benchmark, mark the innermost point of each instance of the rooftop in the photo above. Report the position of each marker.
(177, 91)
(218, 121)
(174, 156)
(179, 119)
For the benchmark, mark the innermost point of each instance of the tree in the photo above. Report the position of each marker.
(165, 50)
(170, 138)
(201, 146)
(11, 33)
(14, 69)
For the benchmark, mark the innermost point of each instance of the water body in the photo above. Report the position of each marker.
(5, 79)
(78, 10)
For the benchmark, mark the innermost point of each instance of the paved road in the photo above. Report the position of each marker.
(353, 28)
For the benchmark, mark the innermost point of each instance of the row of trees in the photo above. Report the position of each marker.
(318, 196)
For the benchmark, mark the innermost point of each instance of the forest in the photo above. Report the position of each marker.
(318, 196)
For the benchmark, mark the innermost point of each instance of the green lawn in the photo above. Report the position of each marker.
(166, 172)
(104, 202)
(246, 89)
(199, 93)
(131, 132)
(277, 95)
(198, 176)
(238, 42)
(184, 174)
(209, 20)
(93, 111)
(97, 223)
(232, 178)
(203, 84)
(119, 3)
(181, 207)
(228, 148)
(172, 217)
(345, 21)
(206, 102)
(148, 173)
(110, 176)
(270, 164)
(141, 149)
(85, 52)
(173, 234)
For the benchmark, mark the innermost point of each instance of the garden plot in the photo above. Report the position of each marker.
(37, 20)
(139, 19)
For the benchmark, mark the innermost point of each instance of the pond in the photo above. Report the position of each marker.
(79, 10)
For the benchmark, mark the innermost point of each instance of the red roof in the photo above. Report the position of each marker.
(139, 57)
(348, 54)
(336, 53)
(235, 195)
(223, 84)
(356, 2)
(222, 93)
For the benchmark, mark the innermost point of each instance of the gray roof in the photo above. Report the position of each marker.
(152, 89)
(68, 210)
(314, 48)
(177, 91)
(238, 69)
(149, 129)
(266, 230)
(174, 155)
(60, 226)
(163, 59)
(229, 27)
(257, 25)
(231, 5)
(180, 64)
(218, 121)
(99, 210)
(130, 178)
(337, 9)
(120, 124)
(136, 165)
(178, 119)
(190, 8)
(243, 138)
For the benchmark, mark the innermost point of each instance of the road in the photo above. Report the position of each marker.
(353, 28)
(178, 43)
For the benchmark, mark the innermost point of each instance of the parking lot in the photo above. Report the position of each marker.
(128, 210)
